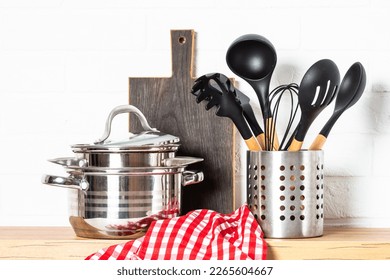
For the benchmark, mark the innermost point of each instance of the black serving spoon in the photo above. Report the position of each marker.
(318, 88)
(221, 94)
(351, 89)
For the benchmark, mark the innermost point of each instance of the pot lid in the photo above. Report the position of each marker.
(150, 139)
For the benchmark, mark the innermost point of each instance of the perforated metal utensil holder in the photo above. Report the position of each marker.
(285, 192)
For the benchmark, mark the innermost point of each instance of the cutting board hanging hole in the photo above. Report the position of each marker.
(182, 40)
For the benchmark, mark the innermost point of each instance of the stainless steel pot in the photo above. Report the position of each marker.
(122, 204)
(119, 197)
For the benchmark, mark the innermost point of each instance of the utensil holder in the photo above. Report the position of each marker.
(285, 192)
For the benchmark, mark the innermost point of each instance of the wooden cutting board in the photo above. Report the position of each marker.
(170, 107)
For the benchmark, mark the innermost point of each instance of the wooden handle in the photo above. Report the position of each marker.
(271, 131)
(182, 43)
(295, 145)
(261, 139)
(252, 144)
(318, 143)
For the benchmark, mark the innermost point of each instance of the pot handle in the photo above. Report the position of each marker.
(120, 110)
(192, 177)
(180, 161)
(65, 182)
(70, 161)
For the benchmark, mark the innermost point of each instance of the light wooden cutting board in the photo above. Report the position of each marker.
(169, 106)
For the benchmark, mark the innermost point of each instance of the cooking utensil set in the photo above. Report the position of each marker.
(253, 58)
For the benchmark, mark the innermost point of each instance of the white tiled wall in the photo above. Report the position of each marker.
(64, 64)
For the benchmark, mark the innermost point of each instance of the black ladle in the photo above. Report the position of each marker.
(351, 89)
(253, 58)
(318, 88)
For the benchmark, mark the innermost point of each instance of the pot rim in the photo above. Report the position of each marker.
(87, 148)
(126, 170)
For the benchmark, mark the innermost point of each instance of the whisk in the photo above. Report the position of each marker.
(275, 99)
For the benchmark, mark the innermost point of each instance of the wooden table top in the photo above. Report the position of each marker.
(61, 243)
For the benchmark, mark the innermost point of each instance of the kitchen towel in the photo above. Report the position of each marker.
(199, 235)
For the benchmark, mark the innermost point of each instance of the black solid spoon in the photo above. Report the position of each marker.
(253, 58)
(318, 88)
(351, 89)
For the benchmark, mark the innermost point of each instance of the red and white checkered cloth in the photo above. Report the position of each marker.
(199, 235)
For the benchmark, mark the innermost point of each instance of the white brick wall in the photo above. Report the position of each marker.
(65, 64)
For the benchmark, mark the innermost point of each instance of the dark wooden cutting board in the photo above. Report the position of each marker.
(170, 107)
